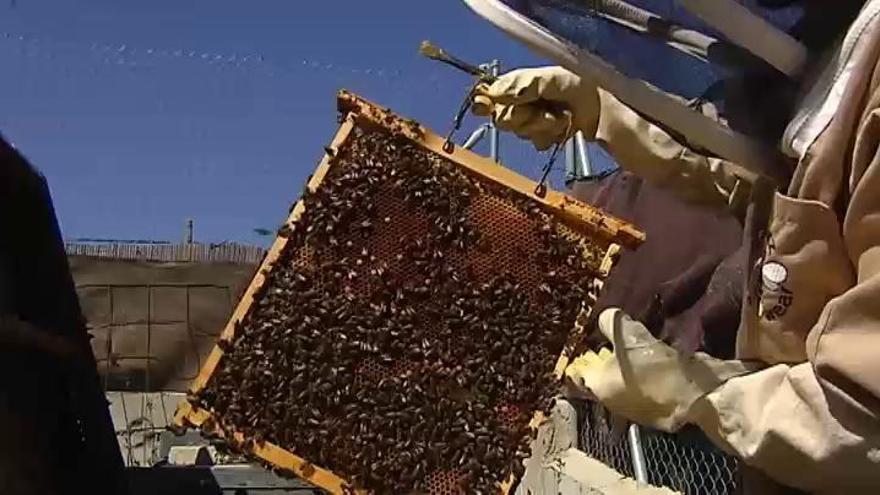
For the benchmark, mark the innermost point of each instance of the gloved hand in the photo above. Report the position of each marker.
(544, 105)
(644, 379)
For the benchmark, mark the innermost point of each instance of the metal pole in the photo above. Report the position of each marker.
(188, 241)
(638, 455)
(586, 167)
(147, 374)
(495, 70)
(571, 171)
(188, 233)
(476, 136)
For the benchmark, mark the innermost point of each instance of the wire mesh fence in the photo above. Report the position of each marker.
(140, 419)
(685, 461)
(603, 437)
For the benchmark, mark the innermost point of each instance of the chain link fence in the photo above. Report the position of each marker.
(685, 461)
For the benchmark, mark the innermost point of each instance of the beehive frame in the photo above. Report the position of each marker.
(358, 112)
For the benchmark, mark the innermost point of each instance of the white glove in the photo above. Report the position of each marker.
(544, 105)
(644, 379)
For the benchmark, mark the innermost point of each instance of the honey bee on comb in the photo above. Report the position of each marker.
(408, 330)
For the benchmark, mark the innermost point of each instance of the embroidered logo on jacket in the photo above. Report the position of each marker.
(773, 277)
(768, 289)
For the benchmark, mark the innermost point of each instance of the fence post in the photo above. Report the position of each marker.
(637, 453)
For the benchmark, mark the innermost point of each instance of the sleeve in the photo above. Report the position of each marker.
(783, 421)
(816, 425)
(646, 150)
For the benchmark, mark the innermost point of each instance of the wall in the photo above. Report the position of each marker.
(154, 323)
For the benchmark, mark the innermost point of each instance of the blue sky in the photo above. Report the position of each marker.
(142, 114)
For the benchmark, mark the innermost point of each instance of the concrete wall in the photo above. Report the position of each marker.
(154, 323)
(558, 467)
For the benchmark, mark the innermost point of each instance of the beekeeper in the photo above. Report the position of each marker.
(802, 402)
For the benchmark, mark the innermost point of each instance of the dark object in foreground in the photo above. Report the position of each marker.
(235, 479)
(55, 426)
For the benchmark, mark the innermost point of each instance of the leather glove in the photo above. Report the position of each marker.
(644, 379)
(544, 105)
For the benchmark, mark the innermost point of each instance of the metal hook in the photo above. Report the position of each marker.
(449, 145)
(541, 188)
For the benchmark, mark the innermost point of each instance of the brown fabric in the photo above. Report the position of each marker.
(803, 243)
(690, 299)
(642, 148)
(812, 311)
(844, 342)
(814, 299)
(825, 234)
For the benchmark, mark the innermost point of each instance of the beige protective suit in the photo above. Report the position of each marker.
(811, 419)
(803, 402)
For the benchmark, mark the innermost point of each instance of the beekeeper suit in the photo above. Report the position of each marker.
(802, 402)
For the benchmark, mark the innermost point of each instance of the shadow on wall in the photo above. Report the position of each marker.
(155, 323)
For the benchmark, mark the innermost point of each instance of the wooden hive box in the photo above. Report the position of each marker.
(411, 320)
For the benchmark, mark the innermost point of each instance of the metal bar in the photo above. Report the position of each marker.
(571, 170)
(638, 454)
(586, 166)
(149, 361)
(493, 143)
(109, 337)
(475, 137)
(494, 151)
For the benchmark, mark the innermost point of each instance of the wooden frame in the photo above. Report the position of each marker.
(609, 228)
(357, 112)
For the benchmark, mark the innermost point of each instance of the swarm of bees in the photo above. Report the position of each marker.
(410, 328)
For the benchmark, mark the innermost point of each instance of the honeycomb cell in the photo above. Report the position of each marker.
(408, 337)
(508, 413)
(508, 237)
(444, 483)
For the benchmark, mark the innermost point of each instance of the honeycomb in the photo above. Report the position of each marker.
(409, 328)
